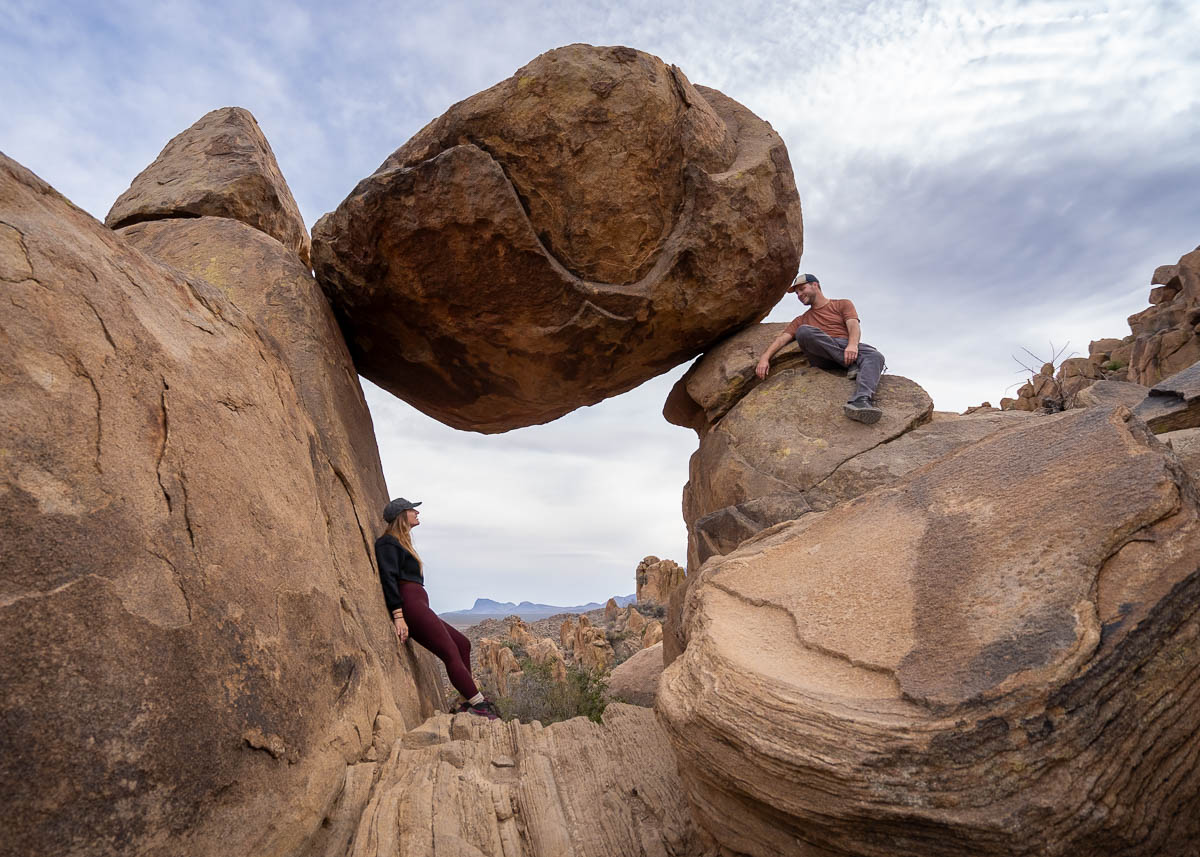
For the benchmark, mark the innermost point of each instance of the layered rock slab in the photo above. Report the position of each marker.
(222, 166)
(462, 786)
(189, 662)
(576, 229)
(995, 655)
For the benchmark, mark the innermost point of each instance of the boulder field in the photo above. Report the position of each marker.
(940, 634)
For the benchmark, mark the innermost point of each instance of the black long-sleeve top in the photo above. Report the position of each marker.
(396, 565)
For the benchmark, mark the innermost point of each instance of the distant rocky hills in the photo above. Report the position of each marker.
(486, 608)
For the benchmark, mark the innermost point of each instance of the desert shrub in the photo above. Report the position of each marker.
(651, 611)
(1113, 365)
(537, 695)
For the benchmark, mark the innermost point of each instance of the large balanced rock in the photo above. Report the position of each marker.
(221, 166)
(460, 785)
(195, 649)
(559, 238)
(994, 656)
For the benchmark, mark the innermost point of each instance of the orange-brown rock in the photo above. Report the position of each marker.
(779, 439)
(994, 656)
(587, 224)
(652, 634)
(656, 578)
(587, 645)
(544, 651)
(222, 166)
(1174, 403)
(636, 680)
(1165, 339)
(459, 785)
(496, 663)
(195, 647)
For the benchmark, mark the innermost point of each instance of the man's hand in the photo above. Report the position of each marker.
(763, 367)
(851, 354)
(401, 628)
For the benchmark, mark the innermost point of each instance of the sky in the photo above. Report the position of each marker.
(979, 176)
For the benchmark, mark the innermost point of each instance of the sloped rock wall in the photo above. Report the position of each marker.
(993, 656)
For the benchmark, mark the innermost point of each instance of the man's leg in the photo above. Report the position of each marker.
(827, 352)
(870, 367)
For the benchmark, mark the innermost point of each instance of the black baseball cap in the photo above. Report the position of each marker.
(393, 509)
(801, 279)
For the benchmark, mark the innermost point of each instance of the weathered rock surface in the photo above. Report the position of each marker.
(1173, 404)
(496, 664)
(656, 578)
(586, 644)
(775, 442)
(1185, 443)
(459, 785)
(636, 680)
(1110, 394)
(587, 224)
(994, 656)
(222, 166)
(194, 643)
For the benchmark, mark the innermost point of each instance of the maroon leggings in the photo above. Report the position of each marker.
(439, 637)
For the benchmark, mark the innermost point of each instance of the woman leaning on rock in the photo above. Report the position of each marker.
(402, 575)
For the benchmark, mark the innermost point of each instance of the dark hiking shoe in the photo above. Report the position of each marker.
(484, 709)
(862, 411)
(462, 708)
(852, 372)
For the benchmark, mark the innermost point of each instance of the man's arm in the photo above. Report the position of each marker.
(764, 362)
(855, 330)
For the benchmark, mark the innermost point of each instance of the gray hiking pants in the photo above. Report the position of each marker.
(828, 352)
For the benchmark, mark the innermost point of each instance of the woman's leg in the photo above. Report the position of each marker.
(426, 628)
(461, 641)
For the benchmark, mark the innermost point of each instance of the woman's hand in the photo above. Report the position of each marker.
(401, 628)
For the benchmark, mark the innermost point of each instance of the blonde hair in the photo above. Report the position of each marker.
(402, 532)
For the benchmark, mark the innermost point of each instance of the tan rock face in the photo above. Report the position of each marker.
(576, 229)
(995, 655)
(462, 786)
(779, 440)
(222, 166)
(496, 664)
(194, 638)
(656, 578)
(636, 680)
(587, 645)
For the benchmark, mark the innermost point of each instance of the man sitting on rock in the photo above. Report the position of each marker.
(829, 334)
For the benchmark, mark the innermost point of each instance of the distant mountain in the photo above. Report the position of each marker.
(486, 608)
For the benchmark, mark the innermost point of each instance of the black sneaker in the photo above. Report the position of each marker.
(484, 709)
(862, 411)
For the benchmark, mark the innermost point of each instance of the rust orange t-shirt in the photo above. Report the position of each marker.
(830, 318)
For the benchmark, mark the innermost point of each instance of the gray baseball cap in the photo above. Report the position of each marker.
(393, 509)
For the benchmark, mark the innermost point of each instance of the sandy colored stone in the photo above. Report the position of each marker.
(724, 374)
(655, 579)
(786, 435)
(222, 166)
(496, 663)
(194, 641)
(587, 645)
(580, 227)
(460, 785)
(636, 680)
(652, 634)
(1174, 403)
(1185, 443)
(995, 656)
(1110, 393)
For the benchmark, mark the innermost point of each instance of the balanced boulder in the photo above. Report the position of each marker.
(587, 224)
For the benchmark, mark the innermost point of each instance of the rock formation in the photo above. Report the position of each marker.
(655, 580)
(186, 568)
(459, 785)
(587, 224)
(496, 662)
(763, 446)
(994, 655)
(221, 167)
(636, 680)
(586, 644)
(1163, 341)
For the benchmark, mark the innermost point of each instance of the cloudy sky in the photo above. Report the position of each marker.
(978, 175)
